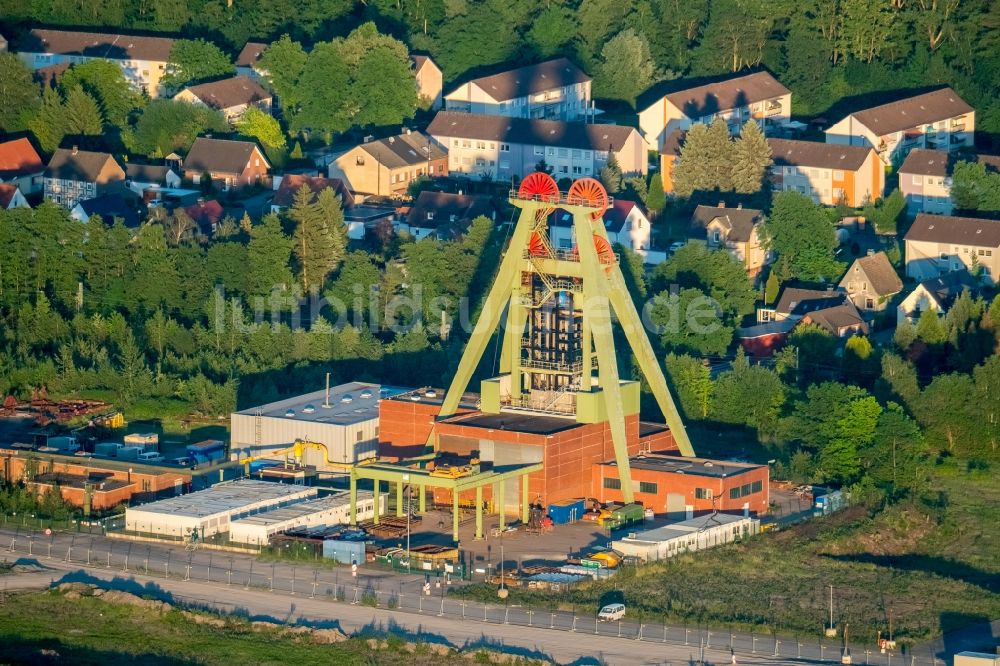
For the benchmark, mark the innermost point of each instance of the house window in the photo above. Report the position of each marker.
(703, 493)
(563, 152)
(454, 142)
(466, 144)
(917, 180)
(539, 150)
(504, 147)
(647, 487)
(504, 164)
(551, 151)
(430, 216)
(715, 236)
(613, 484)
(869, 303)
(359, 436)
(481, 145)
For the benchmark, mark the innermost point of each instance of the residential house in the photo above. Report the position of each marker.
(871, 282)
(446, 215)
(230, 96)
(936, 294)
(74, 175)
(48, 77)
(501, 148)
(364, 217)
(625, 223)
(108, 207)
(144, 60)
(758, 96)
(207, 215)
(288, 185)
(246, 61)
(387, 167)
(925, 179)
(841, 321)
(830, 174)
(552, 90)
(940, 120)
(21, 165)
(737, 230)
(430, 81)
(11, 197)
(829, 309)
(940, 244)
(230, 164)
(142, 177)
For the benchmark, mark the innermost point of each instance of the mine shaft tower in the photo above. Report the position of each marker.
(558, 354)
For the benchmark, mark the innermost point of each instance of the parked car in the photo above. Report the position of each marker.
(611, 613)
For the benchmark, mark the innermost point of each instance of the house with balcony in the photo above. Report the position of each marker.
(551, 90)
(736, 230)
(144, 60)
(231, 96)
(938, 120)
(74, 175)
(499, 148)
(758, 96)
(940, 244)
(229, 164)
(829, 173)
(430, 81)
(386, 167)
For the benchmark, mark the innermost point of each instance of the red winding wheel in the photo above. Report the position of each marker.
(589, 192)
(605, 253)
(536, 246)
(539, 186)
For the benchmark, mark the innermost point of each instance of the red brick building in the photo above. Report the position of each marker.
(230, 164)
(112, 483)
(685, 487)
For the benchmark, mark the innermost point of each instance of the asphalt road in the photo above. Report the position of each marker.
(334, 597)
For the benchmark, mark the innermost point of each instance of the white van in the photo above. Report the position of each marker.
(611, 613)
(150, 457)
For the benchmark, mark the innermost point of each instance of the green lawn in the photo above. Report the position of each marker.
(87, 630)
(933, 562)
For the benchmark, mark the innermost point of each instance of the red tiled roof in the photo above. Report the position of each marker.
(19, 158)
(7, 192)
(206, 213)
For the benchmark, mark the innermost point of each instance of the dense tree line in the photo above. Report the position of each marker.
(824, 51)
(159, 314)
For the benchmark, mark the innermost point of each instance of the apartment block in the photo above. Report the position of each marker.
(925, 179)
(830, 174)
(939, 244)
(552, 90)
(939, 120)
(500, 148)
(143, 60)
(387, 167)
(758, 96)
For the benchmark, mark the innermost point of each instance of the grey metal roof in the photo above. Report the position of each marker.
(693, 466)
(349, 403)
(300, 509)
(684, 528)
(228, 497)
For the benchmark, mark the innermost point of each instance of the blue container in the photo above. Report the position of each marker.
(567, 511)
(345, 552)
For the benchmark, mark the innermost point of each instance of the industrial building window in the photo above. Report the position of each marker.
(703, 493)
(359, 435)
(734, 493)
(647, 487)
(756, 486)
(613, 484)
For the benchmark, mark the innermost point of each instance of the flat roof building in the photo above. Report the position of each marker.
(210, 511)
(685, 487)
(686, 536)
(330, 510)
(345, 420)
